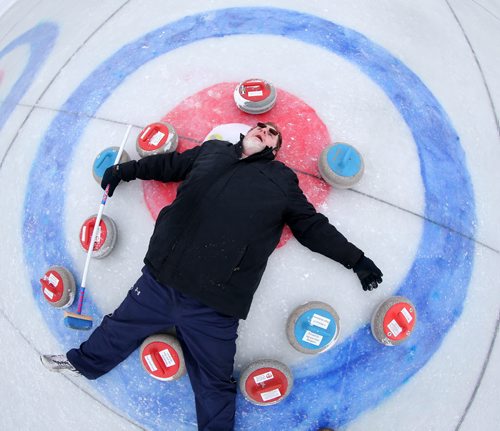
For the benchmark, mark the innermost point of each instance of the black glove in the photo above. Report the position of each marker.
(368, 273)
(112, 178)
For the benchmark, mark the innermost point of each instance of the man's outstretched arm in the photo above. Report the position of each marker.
(162, 167)
(313, 230)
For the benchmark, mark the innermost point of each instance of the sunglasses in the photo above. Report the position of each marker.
(272, 131)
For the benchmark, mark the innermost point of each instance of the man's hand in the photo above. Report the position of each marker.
(112, 178)
(368, 273)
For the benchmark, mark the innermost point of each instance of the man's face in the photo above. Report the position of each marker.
(258, 138)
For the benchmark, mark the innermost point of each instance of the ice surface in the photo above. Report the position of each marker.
(403, 213)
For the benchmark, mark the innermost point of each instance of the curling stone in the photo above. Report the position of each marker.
(58, 287)
(255, 96)
(393, 321)
(157, 138)
(162, 358)
(106, 236)
(341, 165)
(266, 382)
(105, 159)
(313, 327)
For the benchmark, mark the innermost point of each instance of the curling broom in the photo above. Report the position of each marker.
(78, 320)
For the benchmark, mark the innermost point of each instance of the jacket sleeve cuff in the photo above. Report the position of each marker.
(128, 170)
(353, 267)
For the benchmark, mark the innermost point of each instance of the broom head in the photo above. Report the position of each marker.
(77, 321)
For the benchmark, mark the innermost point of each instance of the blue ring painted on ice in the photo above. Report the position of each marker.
(41, 41)
(359, 373)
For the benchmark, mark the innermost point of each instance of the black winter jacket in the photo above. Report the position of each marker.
(213, 242)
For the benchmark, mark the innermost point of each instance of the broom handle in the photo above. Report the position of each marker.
(96, 226)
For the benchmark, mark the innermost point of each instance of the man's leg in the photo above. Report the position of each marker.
(147, 309)
(208, 340)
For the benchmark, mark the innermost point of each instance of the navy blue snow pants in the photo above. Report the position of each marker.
(208, 341)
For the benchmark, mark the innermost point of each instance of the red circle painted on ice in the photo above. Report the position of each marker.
(304, 137)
